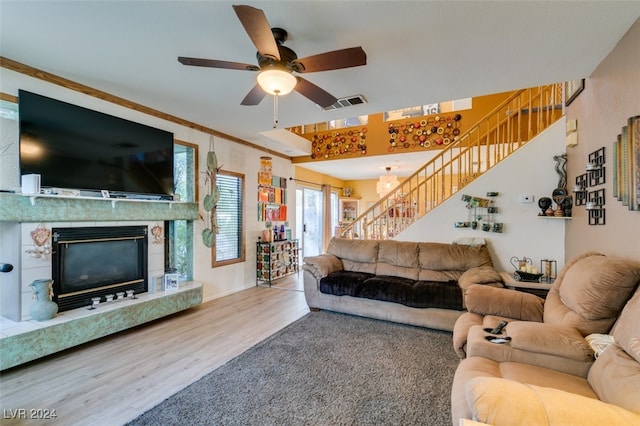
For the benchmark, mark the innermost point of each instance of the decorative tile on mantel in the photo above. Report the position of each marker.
(19, 208)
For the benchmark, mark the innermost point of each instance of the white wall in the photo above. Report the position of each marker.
(530, 170)
(610, 97)
(231, 156)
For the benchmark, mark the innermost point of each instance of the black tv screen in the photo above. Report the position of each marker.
(72, 147)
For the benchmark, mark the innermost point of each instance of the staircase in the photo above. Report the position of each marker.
(512, 124)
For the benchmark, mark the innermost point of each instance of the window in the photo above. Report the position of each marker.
(229, 243)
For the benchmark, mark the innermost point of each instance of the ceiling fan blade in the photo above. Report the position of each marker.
(255, 96)
(337, 59)
(212, 63)
(315, 93)
(256, 25)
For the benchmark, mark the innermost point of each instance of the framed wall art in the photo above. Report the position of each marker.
(634, 162)
(572, 89)
(171, 282)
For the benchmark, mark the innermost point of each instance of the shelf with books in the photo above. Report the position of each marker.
(275, 260)
(272, 200)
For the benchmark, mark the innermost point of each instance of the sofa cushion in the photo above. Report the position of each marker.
(399, 259)
(412, 293)
(615, 375)
(626, 332)
(355, 250)
(615, 378)
(356, 255)
(590, 291)
(443, 262)
(597, 287)
(473, 367)
(452, 257)
(343, 283)
(416, 294)
(499, 401)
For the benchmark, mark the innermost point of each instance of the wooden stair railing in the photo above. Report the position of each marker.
(512, 124)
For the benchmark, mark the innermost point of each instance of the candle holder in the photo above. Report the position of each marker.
(95, 301)
(549, 269)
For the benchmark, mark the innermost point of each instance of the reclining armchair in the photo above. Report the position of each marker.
(586, 298)
(512, 393)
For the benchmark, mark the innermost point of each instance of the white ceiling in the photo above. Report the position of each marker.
(418, 52)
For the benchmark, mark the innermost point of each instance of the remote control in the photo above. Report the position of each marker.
(494, 339)
(499, 328)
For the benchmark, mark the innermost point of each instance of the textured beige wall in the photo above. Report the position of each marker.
(611, 96)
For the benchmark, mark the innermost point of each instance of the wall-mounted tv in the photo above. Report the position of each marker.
(72, 147)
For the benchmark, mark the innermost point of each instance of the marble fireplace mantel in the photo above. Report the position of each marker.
(24, 339)
(41, 208)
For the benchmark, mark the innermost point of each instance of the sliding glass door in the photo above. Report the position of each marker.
(309, 220)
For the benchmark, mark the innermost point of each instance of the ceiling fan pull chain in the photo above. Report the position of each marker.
(275, 109)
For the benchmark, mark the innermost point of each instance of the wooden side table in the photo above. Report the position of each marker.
(539, 289)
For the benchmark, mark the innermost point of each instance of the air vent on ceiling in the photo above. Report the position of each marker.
(346, 102)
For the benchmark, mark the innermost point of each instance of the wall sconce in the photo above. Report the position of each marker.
(595, 207)
(595, 167)
(580, 189)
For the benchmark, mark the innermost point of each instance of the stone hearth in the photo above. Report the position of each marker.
(28, 340)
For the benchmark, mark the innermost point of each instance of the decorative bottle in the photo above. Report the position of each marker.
(43, 308)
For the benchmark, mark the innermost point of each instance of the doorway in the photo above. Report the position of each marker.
(309, 220)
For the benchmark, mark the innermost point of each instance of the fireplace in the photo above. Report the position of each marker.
(96, 261)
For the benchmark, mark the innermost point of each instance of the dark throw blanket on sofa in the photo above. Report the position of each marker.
(408, 292)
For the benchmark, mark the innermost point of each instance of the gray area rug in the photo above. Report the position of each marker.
(324, 369)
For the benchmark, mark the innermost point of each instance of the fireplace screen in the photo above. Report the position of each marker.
(88, 264)
(93, 262)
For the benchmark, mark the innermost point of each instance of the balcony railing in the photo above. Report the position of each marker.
(504, 130)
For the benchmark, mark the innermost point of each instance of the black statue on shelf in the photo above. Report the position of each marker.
(544, 203)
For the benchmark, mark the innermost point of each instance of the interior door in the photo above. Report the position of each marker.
(309, 220)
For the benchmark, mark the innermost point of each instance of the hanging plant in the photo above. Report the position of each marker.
(211, 199)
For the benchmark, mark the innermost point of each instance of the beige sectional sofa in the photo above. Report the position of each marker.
(417, 283)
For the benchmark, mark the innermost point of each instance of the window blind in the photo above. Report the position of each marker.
(229, 240)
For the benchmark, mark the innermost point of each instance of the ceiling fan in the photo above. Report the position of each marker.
(276, 63)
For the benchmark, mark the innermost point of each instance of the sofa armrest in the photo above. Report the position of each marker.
(480, 275)
(549, 339)
(500, 401)
(486, 300)
(322, 265)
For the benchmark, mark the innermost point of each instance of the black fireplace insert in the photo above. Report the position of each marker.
(92, 262)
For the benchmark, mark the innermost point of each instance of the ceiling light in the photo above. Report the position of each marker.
(386, 183)
(276, 81)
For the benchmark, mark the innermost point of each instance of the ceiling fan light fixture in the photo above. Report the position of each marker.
(277, 81)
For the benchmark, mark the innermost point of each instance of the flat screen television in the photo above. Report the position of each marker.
(72, 147)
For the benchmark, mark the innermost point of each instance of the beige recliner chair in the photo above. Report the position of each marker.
(587, 297)
(511, 393)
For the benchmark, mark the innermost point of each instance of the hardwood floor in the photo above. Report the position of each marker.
(114, 379)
